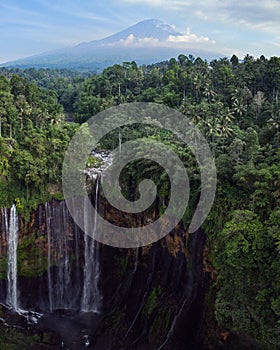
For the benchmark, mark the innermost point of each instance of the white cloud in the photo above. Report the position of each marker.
(189, 38)
(167, 4)
(180, 41)
(128, 41)
(132, 41)
(148, 41)
(262, 16)
(73, 10)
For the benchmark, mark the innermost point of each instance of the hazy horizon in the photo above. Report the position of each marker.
(239, 27)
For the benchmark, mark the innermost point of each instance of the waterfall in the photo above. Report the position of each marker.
(4, 230)
(68, 288)
(48, 224)
(173, 324)
(120, 143)
(91, 298)
(63, 282)
(68, 257)
(78, 274)
(12, 291)
(136, 261)
(62, 292)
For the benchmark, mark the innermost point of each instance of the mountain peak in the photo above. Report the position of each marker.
(149, 28)
(148, 41)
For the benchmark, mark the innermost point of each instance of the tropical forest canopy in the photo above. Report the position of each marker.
(236, 105)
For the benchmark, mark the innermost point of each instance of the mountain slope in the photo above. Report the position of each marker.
(151, 28)
(144, 42)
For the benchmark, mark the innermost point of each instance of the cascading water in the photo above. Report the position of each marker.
(68, 288)
(120, 143)
(4, 229)
(12, 291)
(48, 224)
(91, 298)
(63, 292)
(64, 266)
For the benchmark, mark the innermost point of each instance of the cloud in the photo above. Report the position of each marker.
(184, 40)
(189, 38)
(262, 16)
(167, 4)
(148, 41)
(16, 10)
(72, 9)
(132, 41)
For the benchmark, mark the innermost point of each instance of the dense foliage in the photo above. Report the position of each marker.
(33, 139)
(236, 104)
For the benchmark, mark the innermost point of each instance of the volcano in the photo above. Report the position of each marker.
(146, 42)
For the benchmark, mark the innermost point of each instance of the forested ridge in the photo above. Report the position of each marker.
(236, 105)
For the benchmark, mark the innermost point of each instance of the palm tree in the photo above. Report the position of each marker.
(274, 121)
(208, 92)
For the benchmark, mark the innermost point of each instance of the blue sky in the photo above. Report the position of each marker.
(33, 26)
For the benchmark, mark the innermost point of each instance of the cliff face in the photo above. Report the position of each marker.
(146, 298)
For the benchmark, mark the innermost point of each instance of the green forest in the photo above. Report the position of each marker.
(235, 104)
